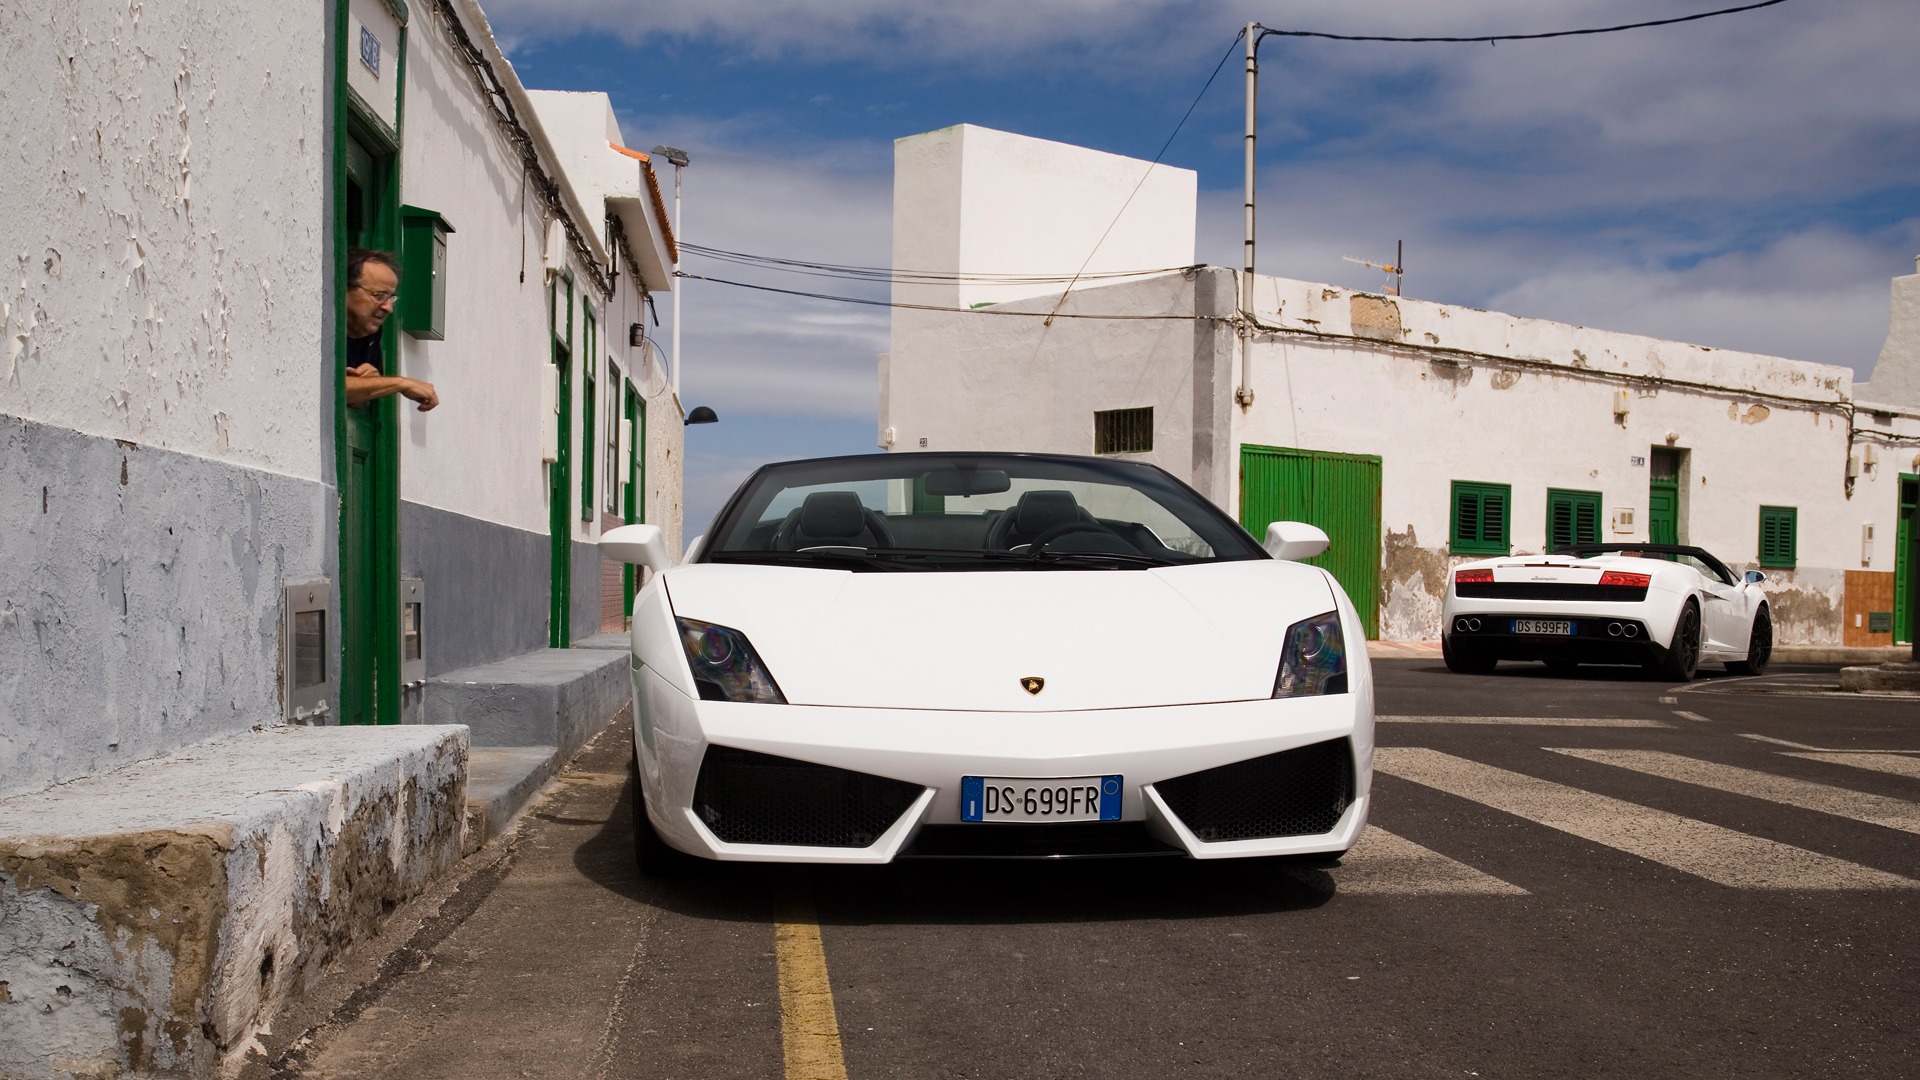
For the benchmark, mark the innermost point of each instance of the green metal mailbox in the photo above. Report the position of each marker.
(423, 283)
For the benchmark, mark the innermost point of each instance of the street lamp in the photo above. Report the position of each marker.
(680, 161)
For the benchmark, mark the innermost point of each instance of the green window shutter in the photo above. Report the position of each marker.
(1480, 518)
(1779, 536)
(1573, 517)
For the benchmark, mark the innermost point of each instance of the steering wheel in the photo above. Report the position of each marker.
(1064, 529)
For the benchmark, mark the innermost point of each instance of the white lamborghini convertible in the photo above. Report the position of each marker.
(1662, 606)
(991, 655)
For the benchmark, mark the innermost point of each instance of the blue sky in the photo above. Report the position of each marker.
(1748, 182)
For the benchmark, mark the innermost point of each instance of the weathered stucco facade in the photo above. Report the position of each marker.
(181, 847)
(1428, 396)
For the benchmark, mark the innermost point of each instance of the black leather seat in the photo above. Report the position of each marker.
(832, 519)
(1033, 516)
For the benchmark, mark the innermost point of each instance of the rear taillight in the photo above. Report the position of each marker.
(1472, 577)
(1625, 580)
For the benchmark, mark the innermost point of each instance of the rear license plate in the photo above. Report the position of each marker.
(1028, 798)
(1543, 626)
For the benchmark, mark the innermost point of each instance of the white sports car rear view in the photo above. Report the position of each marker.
(1665, 607)
(991, 655)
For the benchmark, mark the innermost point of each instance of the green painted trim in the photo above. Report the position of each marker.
(636, 479)
(337, 300)
(399, 10)
(589, 412)
(382, 137)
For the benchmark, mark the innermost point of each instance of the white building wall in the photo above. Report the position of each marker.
(164, 462)
(991, 203)
(1757, 430)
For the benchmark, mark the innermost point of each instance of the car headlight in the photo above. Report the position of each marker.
(725, 667)
(1314, 661)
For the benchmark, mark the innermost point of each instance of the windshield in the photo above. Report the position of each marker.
(972, 512)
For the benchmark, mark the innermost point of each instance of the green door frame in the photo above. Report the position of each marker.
(366, 443)
(560, 479)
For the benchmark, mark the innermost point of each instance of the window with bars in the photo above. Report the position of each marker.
(1480, 524)
(1573, 517)
(1123, 431)
(1779, 536)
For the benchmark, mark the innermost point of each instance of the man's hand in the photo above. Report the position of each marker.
(365, 383)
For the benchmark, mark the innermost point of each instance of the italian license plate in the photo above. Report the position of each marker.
(1543, 626)
(1027, 798)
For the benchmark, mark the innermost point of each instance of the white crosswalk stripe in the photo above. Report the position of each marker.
(1886, 763)
(1805, 794)
(1525, 721)
(1386, 864)
(1705, 850)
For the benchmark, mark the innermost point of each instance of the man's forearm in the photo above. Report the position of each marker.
(364, 388)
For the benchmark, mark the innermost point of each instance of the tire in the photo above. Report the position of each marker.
(1683, 652)
(1465, 660)
(655, 858)
(1759, 647)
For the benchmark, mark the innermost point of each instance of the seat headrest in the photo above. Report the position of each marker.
(1038, 511)
(832, 513)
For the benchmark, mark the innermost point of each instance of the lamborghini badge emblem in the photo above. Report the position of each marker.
(1033, 684)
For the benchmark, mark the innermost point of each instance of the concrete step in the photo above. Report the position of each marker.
(500, 781)
(155, 918)
(551, 697)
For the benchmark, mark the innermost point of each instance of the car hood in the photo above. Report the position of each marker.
(1102, 639)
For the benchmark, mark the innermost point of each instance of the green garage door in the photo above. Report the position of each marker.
(1338, 492)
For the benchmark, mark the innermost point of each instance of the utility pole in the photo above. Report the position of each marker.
(680, 161)
(1253, 89)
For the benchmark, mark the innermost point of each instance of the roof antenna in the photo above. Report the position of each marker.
(1393, 271)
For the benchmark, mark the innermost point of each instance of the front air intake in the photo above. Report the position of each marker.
(750, 798)
(1300, 792)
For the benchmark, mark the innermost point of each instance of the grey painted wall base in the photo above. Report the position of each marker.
(140, 598)
(486, 586)
(552, 697)
(586, 591)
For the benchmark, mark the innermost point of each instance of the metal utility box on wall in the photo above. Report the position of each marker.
(306, 676)
(413, 628)
(423, 270)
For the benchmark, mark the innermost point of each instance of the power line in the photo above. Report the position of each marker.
(866, 302)
(1491, 38)
(890, 274)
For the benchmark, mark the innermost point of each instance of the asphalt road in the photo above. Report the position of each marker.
(1630, 879)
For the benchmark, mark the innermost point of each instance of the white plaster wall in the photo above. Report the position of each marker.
(991, 202)
(996, 380)
(154, 289)
(1896, 375)
(479, 453)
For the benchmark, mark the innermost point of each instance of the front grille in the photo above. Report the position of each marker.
(1073, 840)
(1299, 792)
(1549, 590)
(750, 798)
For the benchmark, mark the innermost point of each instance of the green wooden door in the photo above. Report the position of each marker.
(560, 475)
(1663, 510)
(1906, 559)
(1340, 493)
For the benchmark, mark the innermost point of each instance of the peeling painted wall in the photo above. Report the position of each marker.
(161, 390)
(150, 290)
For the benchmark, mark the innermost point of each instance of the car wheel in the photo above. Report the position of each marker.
(653, 855)
(1464, 659)
(1683, 653)
(1759, 647)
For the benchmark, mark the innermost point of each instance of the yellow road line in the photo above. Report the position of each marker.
(809, 1032)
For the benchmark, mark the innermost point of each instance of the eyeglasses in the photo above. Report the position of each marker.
(379, 296)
